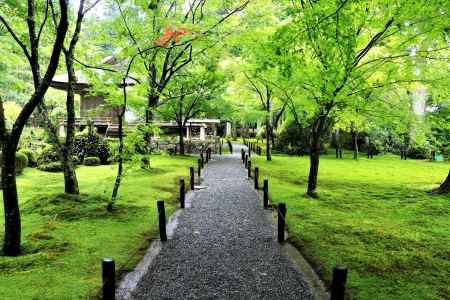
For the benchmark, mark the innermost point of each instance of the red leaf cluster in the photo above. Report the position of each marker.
(170, 35)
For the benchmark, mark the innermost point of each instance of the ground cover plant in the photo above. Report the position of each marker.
(375, 216)
(65, 236)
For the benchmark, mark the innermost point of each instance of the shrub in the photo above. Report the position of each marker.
(92, 161)
(31, 155)
(21, 162)
(47, 155)
(92, 146)
(418, 152)
(51, 167)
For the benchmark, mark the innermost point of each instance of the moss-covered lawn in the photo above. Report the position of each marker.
(64, 239)
(375, 216)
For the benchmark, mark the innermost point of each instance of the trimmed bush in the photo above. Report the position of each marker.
(31, 155)
(92, 146)
(418, 152)
(92, 161)
(21, 162)
(47, 155)
(51, 167)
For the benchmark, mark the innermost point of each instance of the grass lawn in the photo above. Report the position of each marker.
(64, 239)
(375, 216)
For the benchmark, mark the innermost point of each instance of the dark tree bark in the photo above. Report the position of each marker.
(120, 161)
(314, 157)
(70, 177)
(10, 141)
(355, 143)
(181, 139)
(314, 154)
(444, 188)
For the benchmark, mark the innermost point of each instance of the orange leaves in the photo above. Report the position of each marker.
(170, 35)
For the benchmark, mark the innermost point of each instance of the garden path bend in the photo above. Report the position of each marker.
(224, 246)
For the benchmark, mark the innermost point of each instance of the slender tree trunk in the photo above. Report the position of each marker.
(355, 144)
(11, 246)
(314, 156)
(445, 186)
(120, 167)
(268, 155)
(181, 139)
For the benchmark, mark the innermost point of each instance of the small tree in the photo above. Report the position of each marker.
(335, 53)
(10, 139)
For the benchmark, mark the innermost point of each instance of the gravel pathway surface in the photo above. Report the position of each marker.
(224, 246)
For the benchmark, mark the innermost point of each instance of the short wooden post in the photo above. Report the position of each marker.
(199, 168)
(340, 153)
(338, 283)
(162, 221)
(242, 154)
(281, 208)
(202, 157)
(249, 168)
(109, 279)
(246, 161)
(266, 193)
(182, 192)
(220, 148)
(256, 178)
(207, 155)
(192, 178)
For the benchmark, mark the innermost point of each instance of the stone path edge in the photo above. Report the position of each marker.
(314, 281)
(130, 281)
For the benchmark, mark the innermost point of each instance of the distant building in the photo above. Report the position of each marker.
(94, 112)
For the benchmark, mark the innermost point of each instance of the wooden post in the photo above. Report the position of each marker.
(220, 148)
(256, 178)
(192, 178)
(162, 221)
(207, 155)
(338, 283)
(249, 168)
(340, 153)
(182, 192)
(242, 154)
(281, 208)
(199, 169)
(109, 279)
(266, 193)
(246, 161)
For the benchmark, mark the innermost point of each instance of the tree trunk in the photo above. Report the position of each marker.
(314, 156)
(120, 167)
(355, 144)
(11, 246)
(268, 155)
(181, 139)
(445, 186)
(70, 177)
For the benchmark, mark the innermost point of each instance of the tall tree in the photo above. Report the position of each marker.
(335, 53)
(10, 138)
(182, 29)
(191, 94)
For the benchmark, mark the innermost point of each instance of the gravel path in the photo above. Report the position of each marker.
(224, 246)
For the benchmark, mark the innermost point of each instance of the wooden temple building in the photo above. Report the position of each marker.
(94, 112)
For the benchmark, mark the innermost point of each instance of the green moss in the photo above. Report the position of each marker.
(65, 238)
(375, 216)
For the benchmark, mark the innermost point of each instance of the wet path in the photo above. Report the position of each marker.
(224, 246)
